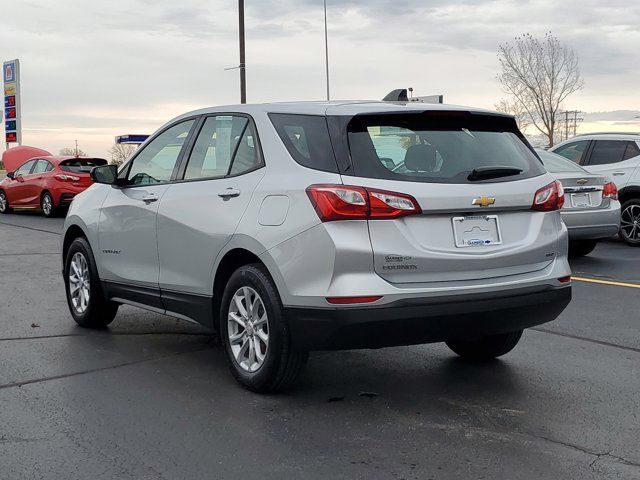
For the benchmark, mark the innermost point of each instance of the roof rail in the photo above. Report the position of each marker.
(607, 133)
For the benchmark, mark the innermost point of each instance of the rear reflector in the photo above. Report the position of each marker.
(352, 300)
(549, 198)
(345, 202)
(566, 279)
(610, 191)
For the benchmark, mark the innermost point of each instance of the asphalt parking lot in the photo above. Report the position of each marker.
(151, 397)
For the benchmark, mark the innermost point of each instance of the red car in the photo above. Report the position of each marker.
(45, 182)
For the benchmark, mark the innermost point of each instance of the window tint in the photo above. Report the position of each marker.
(25, 169)
(573, 151)
(632, 151)
(307, 140)
(42, 166)
(82, 165)
(215, 146)
(421, 149)
(155, 163)
(607, 151)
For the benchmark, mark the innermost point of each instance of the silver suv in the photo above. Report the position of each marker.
(322, 226)
(617, 156)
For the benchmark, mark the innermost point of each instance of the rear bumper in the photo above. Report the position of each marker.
(592, 224)
(425, 320)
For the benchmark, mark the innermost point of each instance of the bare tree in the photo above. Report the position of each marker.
(71, 152)
(539, 74)
(512, 107)
(120, 152)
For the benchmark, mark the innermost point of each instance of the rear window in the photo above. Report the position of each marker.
(557, 164)
(81, 165)
(439, 147)
(307, 140)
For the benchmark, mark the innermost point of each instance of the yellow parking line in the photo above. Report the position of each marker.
(605, 282)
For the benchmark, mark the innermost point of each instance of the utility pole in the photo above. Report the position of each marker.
(243, 76)
(326, 49)
(76, 148)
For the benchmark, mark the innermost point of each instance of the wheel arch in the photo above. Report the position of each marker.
(73, 231)
(627, 193)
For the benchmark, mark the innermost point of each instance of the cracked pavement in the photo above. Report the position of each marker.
(151, 396)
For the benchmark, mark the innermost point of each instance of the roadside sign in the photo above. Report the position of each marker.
(11, 80)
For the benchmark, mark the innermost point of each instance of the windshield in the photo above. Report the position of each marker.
(81, 165)
(450, 149)
(557, 164)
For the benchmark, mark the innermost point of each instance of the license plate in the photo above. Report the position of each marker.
(476, 231)
(580, 200)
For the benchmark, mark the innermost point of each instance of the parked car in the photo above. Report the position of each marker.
(47, 182)
(616, 155)
(591, 210)
(282, 227)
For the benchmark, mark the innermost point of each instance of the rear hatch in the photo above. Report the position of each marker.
(474, 179)
(80, 168)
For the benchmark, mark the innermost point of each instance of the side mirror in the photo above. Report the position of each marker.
(106, 174)
(11, 175)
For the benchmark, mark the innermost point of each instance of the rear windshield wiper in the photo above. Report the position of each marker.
(485, 173)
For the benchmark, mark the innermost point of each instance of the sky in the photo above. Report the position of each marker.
(95, 69)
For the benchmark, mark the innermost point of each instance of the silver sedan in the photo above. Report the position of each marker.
(591, 210)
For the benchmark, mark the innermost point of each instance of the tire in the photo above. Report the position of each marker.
(580, 248)
(4, 204)
(630, 222)
(49, 208)
(486, 348)
(96, 311)
(280, 365)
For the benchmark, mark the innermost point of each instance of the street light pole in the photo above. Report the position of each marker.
(243, 76)
(326, 48)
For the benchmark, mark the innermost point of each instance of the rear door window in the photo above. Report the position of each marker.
(632, 151)
(573, 151)
(42, 166)
(419, 148)
(607, 151)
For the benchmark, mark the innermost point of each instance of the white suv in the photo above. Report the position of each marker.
(617, 156)
(317, 226)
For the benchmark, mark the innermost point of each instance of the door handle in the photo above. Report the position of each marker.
(229, 193)
(617, 174)
(151, 197)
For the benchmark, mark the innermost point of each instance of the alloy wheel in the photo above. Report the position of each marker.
(3, 202)
(248, 329)
(630, 223)
(47, 204)
(79, 283)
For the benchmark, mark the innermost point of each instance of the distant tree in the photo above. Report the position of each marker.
(120, 152)
(512, 107)
(71, 152)
(538, 75)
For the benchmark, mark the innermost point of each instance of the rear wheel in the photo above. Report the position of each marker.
(48, 207)
(486, 348)
(630, 222)
(580, 248)
(87, 303)
(4, 203)
(256, 334)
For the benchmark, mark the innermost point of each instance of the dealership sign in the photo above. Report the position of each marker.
(12, 120)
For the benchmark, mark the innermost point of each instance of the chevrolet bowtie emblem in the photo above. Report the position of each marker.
(483, 201)
(582, 181)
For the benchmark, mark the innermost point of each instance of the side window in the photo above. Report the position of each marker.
(607, 151)
(25, 169)
(156, 162)
(632, 151)
(306, 137)
(42, 166)
(226, 145)
(573, 151)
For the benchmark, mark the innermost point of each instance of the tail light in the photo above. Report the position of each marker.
(610, 191)
(344, 202)
(66, 178)
(549, 198)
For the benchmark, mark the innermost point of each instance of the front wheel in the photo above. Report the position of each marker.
(256, 334)
(486, 348)
(4, 203)
(87, 303)
(580, 248)
(630, 222)
(48, 207)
